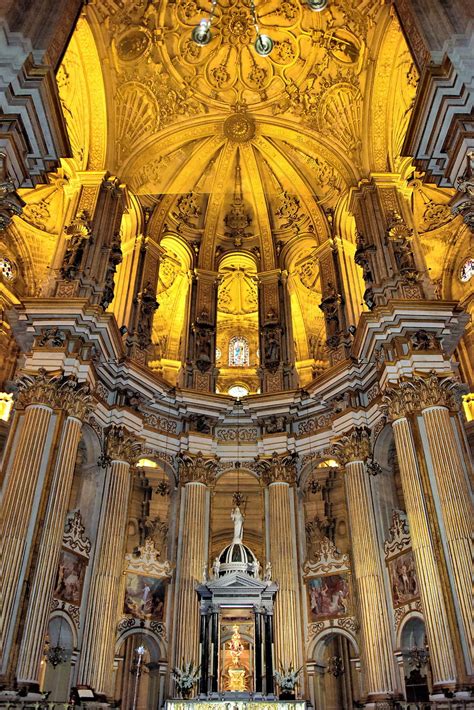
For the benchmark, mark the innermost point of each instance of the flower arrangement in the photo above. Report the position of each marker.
(185, 677)
(287, 678)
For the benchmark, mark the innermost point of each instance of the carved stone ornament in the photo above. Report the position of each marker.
(239, 127)
(278, 469)
(196, 469)
(74, 538)
(463, 202)
(355, 446)
(55, 391)
(50, 338)
(327, 559)
(122, 445)
(399, 539)
(10, 201)
(147, 561)
(271, 347)
(418, 393)
(147, 305)
(115, 258)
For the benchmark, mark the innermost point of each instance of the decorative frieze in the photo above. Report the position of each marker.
(314, 424)
(169, 426)
(235, 433)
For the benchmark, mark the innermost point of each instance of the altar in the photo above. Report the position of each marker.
(235, 704)
(236, 631)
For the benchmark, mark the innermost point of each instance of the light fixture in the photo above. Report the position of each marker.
(202, 33)
(263, 43)
(317, 5)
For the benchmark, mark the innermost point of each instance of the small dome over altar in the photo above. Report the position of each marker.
(237, 557)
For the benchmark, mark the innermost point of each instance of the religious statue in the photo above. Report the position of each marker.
(256, 569)
(235, 645)
(148, 305)
(238, 520)
(268, 572)
(216, 565)
(271, 349)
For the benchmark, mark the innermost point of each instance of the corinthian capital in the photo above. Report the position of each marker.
(355, 446)
(419, 393)
(55, 391)
(196, 469)
(122, 445)
(278, 469)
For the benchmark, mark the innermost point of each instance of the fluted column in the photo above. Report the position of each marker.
(452, 515)
(37, 616)
(26, 480)
(455, 506)
(97, 653)
(195, 474)
(287, 619)
(377, 650)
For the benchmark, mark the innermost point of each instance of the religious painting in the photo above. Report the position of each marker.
(403, 579)
(70, 577)
(329, 596)
(144, 597)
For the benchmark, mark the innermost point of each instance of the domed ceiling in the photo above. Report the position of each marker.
(233, 147)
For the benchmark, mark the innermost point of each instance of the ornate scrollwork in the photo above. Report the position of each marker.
(327, 559)
(399, 539)
(74, 537)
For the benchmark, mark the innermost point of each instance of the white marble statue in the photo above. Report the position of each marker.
(268, 572)
(238, 520)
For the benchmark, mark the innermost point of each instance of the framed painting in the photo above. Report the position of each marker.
(403, 579)
(70, 577)
(144, 597)
(329, 596)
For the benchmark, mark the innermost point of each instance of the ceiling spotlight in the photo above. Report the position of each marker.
(202, 33)
(263, 45)
(317, 5)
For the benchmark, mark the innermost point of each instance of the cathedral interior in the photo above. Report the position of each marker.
(236, 373)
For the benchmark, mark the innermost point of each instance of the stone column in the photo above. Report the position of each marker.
(451, 490)
(453, 508)
(279, 477)
(195, 474)
(26, 479)
(97, 656)
(377, 649)
(435, 609)
(42, 583)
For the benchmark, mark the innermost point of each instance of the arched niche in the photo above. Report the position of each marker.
(62, 639)
(301, 261)
(237, 340)
(386, 486)
(333, 670)
(86, 491)
(411, 640)
(139, 676)
(170, 321)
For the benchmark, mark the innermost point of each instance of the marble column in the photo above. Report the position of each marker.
(42, 584)
(195, 474)
(283, 549)
(377, 646)
(451, 490)
(435, 609)
(97, 655)
(27, 467)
